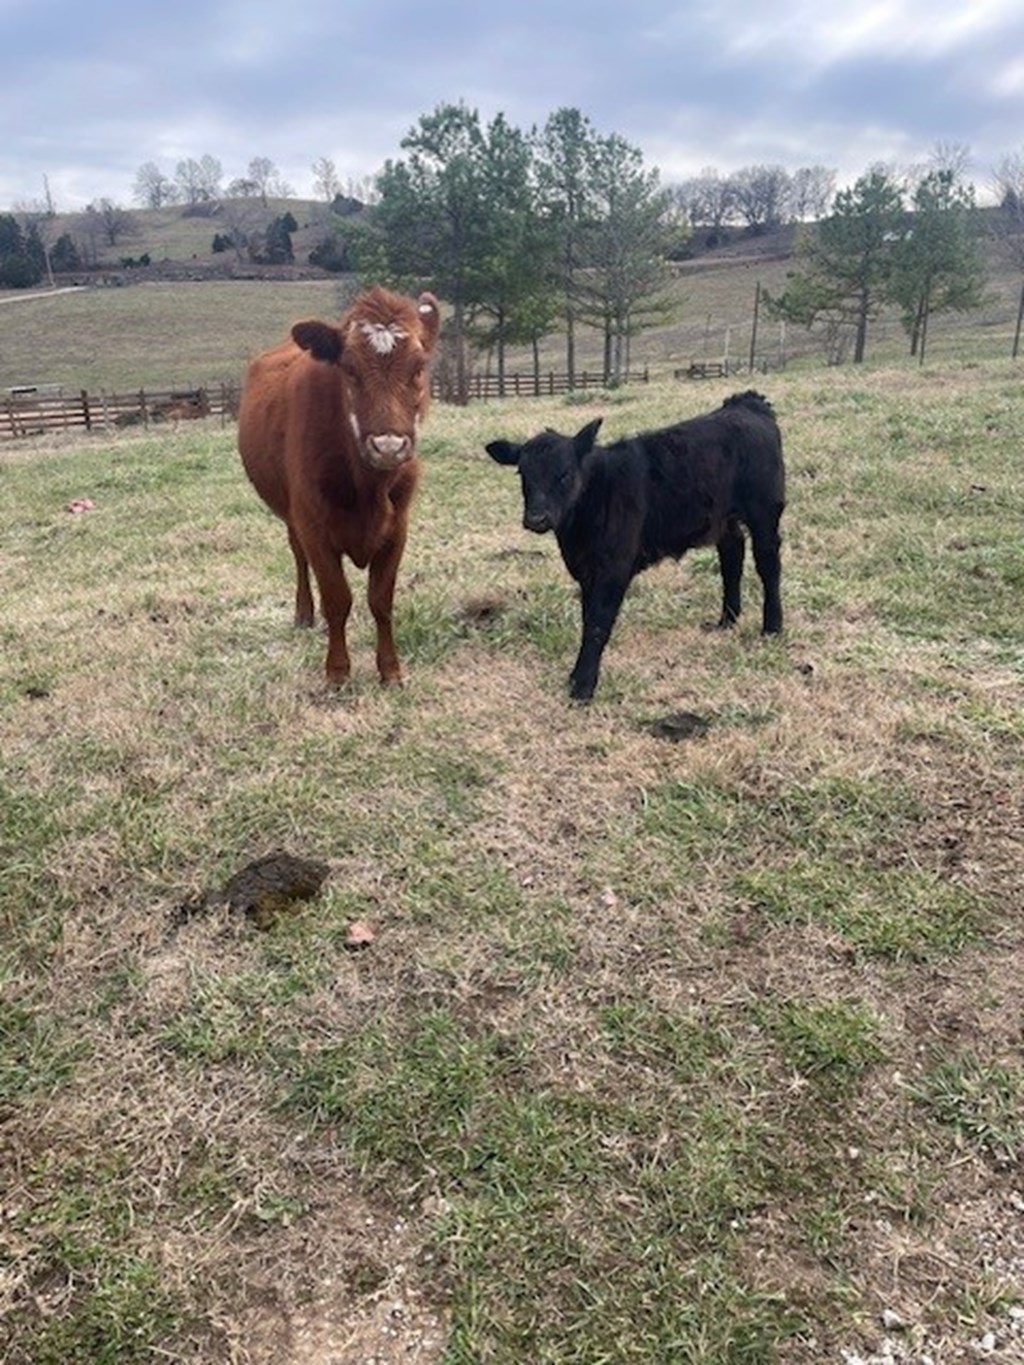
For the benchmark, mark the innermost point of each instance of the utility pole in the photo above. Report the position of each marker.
(753, 329)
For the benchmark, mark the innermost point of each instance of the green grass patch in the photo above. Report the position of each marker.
(981, 1101)
(532, 1173)
(37, 1054)
(830, 1042)
(896, 915)
(122, 1314)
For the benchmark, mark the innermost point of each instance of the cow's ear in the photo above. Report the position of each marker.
(320, 339)
(583, 441)
(503, 451)
(429, 311)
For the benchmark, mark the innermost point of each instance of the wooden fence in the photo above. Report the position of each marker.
(721, 367)
(35, 410)
(39, 409)
(540, 385)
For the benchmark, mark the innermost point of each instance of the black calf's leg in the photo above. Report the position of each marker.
(766, 543)
(601, 605)
(731, 549)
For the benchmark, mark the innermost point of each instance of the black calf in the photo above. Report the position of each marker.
(617, 509)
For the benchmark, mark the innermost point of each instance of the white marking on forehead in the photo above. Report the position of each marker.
(383, 337)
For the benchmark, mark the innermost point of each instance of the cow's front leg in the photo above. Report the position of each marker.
(381, 596)
(336, 603)
(303, 596)
(600, 604)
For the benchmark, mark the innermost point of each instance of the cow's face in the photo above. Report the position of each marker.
(550, 472)
(381, 349)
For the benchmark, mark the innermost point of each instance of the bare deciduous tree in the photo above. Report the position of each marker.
(153, 189)
(268, 180)
(199, 181)
(761, 195)
(708, 199)
(1008, 183)
(952, 159)
(325, 179)
(115, 222)
(811, 191)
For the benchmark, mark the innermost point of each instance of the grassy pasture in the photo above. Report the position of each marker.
(705, 1051)
(162, 334)
(152, 335)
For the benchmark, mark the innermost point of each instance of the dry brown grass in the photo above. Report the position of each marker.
(645, 1061)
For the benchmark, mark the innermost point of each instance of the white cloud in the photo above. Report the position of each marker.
(691, 84)
(822, 35)
(1008, 80)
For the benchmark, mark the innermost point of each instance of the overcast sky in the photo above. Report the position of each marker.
(90, 92)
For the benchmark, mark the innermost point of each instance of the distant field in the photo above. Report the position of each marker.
(163, 334)
(152, 335)
(703, 1052)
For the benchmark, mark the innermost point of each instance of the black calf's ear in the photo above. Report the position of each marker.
(503, 451)
(583, 441)
(320, 339)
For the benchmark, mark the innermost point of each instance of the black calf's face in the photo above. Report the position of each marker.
(550, 476)
(549, 470)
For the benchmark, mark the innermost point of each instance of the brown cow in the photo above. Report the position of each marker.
(327, 430)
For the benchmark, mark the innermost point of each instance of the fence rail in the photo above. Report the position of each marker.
(721, 367)
(36, 410)
(39, 409)
(530, 385)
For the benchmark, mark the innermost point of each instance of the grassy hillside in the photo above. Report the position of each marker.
(704, 1051)
(173, 235)
(158, 333)
(152, 335)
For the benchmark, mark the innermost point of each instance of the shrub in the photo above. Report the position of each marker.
(18, 272)
(331, 253)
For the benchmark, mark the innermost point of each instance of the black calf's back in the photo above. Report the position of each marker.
(615, 510)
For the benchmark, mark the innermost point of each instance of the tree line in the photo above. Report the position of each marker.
(916, 247)
(758, 198)
(521, 232)
(200, 180)
(527, 232)
(524, 233)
